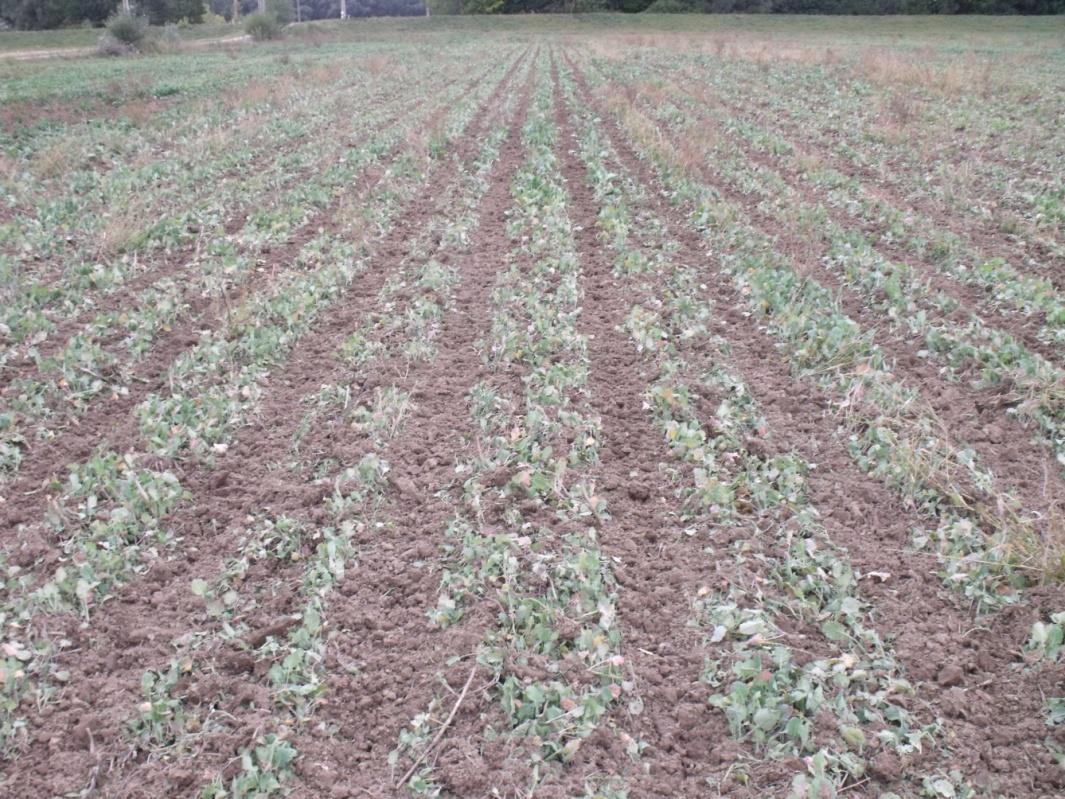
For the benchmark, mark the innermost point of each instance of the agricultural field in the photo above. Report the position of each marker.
(591, 408)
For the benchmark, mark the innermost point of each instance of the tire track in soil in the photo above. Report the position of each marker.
(110, 418)
(107, 659)
(382, 625)
(992, 711)
(973, 416)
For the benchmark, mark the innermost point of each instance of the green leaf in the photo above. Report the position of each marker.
(944, 788)
(853, 736)
(834, 631)
(766, 718)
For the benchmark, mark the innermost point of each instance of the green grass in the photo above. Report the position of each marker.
(75, 38)
(864, 30)
(965, 32)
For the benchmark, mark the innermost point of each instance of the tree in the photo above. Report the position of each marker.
(160, 12)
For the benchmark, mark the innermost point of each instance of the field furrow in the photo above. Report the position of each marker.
(86, 574)
(894, 572)
(921, 329)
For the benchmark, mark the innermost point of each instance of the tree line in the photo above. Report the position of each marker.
(41, 14)
(37, 14)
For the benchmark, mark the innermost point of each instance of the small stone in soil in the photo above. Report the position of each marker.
(639, 493)
(950, 675)
(886, 767)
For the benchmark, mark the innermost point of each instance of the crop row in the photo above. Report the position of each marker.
(1007, 197)
(84, 369)
(296, 674)
(523, 534)
(111, 513)
(775, 696)
(894, 225)
(902, 294)
(194, 199)
(893, 434)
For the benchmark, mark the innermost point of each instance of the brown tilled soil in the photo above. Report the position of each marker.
(139, 626)
(1038, 253)
(992, 711)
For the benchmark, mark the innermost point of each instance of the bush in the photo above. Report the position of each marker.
(170, 38)
(110, 46)
(127, 29)
(262, 27)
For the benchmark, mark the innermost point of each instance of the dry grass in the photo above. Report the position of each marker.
(885, 65)
(252, 93)
(926, 70)
(119, 230)
(621, 45)
(809, 162)
(377, 63)
(141, 112)
(323, 74)
(1039, 548)
(56, 159)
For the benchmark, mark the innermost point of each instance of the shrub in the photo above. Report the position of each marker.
(110, 46)
(262, 26)
(170, 38)
(127, 29)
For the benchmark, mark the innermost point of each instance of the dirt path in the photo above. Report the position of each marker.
(82, 52)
